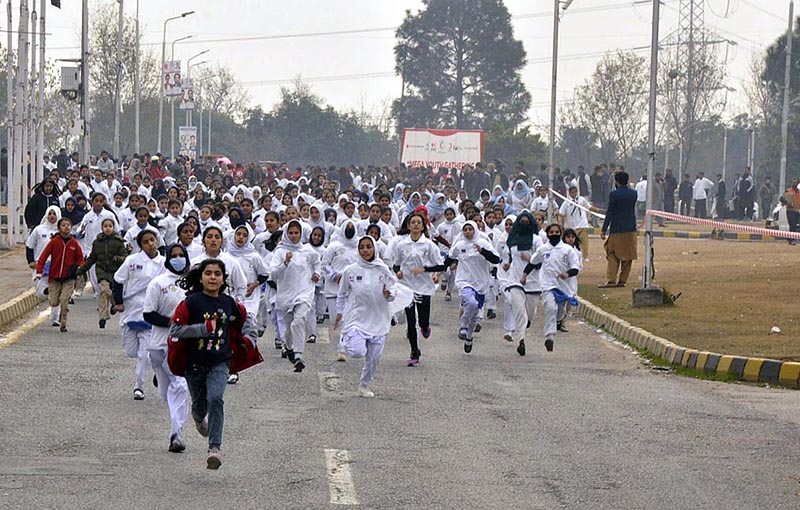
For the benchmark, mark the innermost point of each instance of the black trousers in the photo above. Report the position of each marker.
(700, 208)
(420, 309)
(686, 206)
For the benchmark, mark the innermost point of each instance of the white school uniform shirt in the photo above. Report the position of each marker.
(338, 255)
(194, 250)
(236, 282)
(135, 274)
(572, 281)
(40, 237)
(253, 266)
(363, 225)
(539, 204)
(361, 301)
(473, 268)
(127, 219)
(410, 254)
(169, 228)
(556, 260)
(575, 217)
(163, 297)
(108, 190)
(92, 225)
(294, 280)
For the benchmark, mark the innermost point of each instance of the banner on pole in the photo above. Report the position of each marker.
(171, 78)
(451, 148)
(188, 141)
(187, 95)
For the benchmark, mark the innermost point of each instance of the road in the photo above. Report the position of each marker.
(586, 426)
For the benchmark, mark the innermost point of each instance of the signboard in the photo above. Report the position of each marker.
(188, 141)
(187, 95)
(451, 148)
(171, 78)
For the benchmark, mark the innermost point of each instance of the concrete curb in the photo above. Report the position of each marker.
(717, 234)
(757, 370)
(19, 306)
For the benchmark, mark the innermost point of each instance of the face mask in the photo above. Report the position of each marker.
(178, 264)
(554, 239)
(349, 232)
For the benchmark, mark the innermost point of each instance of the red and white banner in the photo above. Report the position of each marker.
(451, 148)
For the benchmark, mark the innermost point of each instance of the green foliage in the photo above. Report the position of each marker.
(512, 145)
(461, 67)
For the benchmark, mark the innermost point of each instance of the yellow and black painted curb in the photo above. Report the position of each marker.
(756, 370)
(19, 306)
(715, 234)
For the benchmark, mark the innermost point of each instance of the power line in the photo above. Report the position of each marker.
(756, 7)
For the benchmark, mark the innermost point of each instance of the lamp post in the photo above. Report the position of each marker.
(189, 66)
(172, 100)
(559, 6)
(163, 56)
(136, 86)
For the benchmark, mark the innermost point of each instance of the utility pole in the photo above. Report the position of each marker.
(85, 121)
(10, 155)
(651, 149)
(40, 105)
(118, 92)
(724, 152)
(161, 84)
(33, 177)
(787, 81)
(557, 8)
(753, 151)
(136, 86)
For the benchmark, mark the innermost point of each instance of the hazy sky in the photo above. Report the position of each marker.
(349, 70)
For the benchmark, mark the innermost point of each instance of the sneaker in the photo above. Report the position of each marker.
(443, 285)
(287, 354)
(462, 334)
(468, 345)
(55, 324)
(548, 344)
(521, 348)
(364, 391)
(202, 426)
(312, 339)
(138, 394)
(320, 320)
(175, 444)
(620, 284)
(528, 325)
(233, 378)
(113, 310)
(340, 356)
(607, 285)
(560, 327)
(278, 344)
(413, 362)
(426, 332)
(507, 338)
(214, 459)
(63, 328)
(102, 323)
(478, 328)
(448, 297)
(71, 301)
(261, 332)
(155, 381)
(491, 314)
(299, 365)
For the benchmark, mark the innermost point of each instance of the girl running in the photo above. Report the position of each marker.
(108, 254)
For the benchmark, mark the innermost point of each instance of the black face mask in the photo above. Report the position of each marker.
(349, 232)
(554, 239)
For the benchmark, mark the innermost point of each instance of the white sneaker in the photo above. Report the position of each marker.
(341, 356)
(364, 391)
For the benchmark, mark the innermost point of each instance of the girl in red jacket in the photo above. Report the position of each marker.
(66, 257)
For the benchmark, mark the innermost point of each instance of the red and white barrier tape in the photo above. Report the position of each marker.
(736, 227)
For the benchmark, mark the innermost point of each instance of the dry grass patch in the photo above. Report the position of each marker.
(733, 293)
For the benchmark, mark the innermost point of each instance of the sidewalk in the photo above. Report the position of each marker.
(16, 284)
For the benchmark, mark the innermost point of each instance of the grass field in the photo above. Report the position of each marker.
(732, 294)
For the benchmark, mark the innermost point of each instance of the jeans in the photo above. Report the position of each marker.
(206, 386)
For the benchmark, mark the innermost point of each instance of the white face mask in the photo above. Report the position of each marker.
(178, 264)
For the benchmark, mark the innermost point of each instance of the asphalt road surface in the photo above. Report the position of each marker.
(586, 426)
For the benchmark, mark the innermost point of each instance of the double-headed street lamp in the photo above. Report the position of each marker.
(163, 56)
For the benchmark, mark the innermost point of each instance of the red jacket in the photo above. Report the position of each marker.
(65, 257)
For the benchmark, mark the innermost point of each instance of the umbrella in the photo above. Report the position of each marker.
(224, 160)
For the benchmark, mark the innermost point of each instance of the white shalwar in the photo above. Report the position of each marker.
(473, 277)
(135, 275)
(162, 297)
(522, 299)
(555, 260)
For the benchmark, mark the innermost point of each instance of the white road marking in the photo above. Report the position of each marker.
(340, 481)
(328, 382)
(323, 336)
(18, 333)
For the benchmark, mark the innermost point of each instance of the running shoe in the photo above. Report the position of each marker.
(462, 334)
(548, 344)
(299, 365)
(155, 381)
(340, 356)
(202, 426)
(214, 459)
(364, 391)
(521, 348)
(55, 324)
(468, 345)
(426, 332)
(102, 323)
(491, 314)
(413, 362)
(507, 338)
(63, 328)
(478, 328)
(448, 297)
(138, 394)
(233, 378)
(312, 339)
(278, 344)
(176, 444)
(560, 327)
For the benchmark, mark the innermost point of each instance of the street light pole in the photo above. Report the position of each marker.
(172, 100)
(161, 84)
(787, 80)
(189, 66)
(118, 92)
(554, 79)
(40, 106)
(136, 85)
(85, 143)
(651, 149)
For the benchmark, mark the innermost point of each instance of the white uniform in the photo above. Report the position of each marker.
(555, 260)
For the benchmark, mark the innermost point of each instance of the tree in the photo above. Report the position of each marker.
(612, 103)
(221, 92)
(460, 64)
(512, 145)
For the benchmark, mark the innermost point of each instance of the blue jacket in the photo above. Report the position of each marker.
(621, 212)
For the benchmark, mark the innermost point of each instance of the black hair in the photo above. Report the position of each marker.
(547, 228)
(404, 227)
(140, 236)
(193, 281)
(622, 178)
(571, 231)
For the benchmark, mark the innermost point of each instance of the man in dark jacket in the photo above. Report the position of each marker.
(685, 195)
(721, 198)
(44, 195)
(670, 185)
(621, 222)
